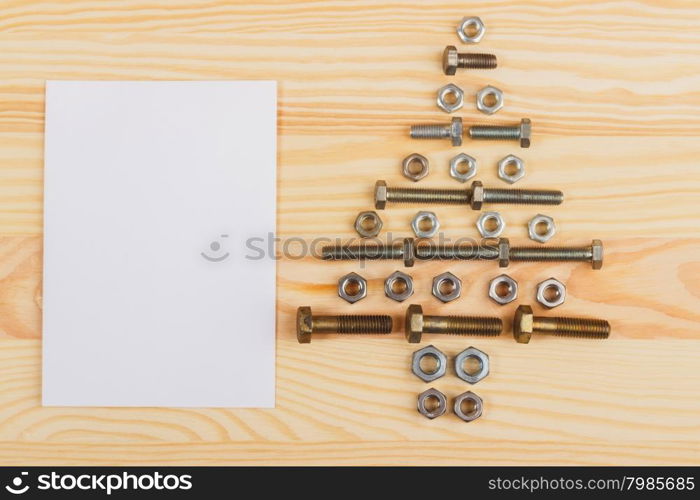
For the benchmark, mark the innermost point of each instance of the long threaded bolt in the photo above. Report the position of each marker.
(452, 60)
(417, 324)
(592, 254)
(452, 131)
(525, 323)
(474, 196)
(521, 132)
(348, 324)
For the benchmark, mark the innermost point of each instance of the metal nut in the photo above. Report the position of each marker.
(503, 167)
(487, 93)
(511, 287)
(430, 352)
(450, 98)
(447, 287)
(368, 224)
(537, 235)
(425, 224)
(401, 281)
(429, 397)
(548, 286)
(457, 162)
(408, 167)
(476, 406)
(484, 221)
(474, 23)
(472, 353)
(352, 287)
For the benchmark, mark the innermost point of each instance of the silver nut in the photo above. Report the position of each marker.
(489, 100)
(432, 403)
(468, 406)
(430, 352)
(410, 163)
(456, 167)
(368, 224)
(472, 376)
(352, 287)
(498, 284)
(508, 163)
(398, 286)
(447, 287)
(456, 131)
(535, 231)
(551, 293)
(468, 25)
(425, 224)
(450, 98)
(490, 224)
(477, 195)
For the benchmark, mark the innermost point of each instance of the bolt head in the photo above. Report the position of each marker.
(503, 252)
(380, 195)
(456, 131)
(450, 60)
(525, 132)
(304, 325)
(522, 324)
(597, 251)
(477, 195)
(414, 323)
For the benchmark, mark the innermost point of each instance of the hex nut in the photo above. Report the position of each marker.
(472, 353)
(428, 218)
(471, 22)
(456, 131)
(392, 280)
(410, 161)
(475, 412)
(368, 224)
(519, 169)
(559, 293)
(512, 287)
(450, 280)
(535, 234)
(380, 197)
(425, 397)
(525, 132)
(503, 252)
(523, 324)
(450, 60)
(432, 352)
(457, 161)
(443, 98)
(484, 94)
(352, 280)
(483, 221)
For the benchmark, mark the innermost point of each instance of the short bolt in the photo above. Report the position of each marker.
(521, 133)
(452, 131)
(475, 196)
(347, 324)
(525, 323)
(592, 254)
(417, 324)
(452, 60)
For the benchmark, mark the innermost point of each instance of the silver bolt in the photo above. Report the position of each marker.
(452, 131)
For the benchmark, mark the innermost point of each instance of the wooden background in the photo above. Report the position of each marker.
(612, 90)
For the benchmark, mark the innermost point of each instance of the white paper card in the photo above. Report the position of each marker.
(151, 295)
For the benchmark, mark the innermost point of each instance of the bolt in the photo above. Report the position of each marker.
(451, 60)
(592, 254)
(417, 324)
(474, 196)
(452, 131)
(525, 324)
(348, 324)
(522, 132)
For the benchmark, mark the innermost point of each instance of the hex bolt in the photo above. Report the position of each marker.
(521, 132)
(474, 196)
(417, 324)
(308, 324)
(452, 131)
(453, 60)
(525, 323)
(592, 254)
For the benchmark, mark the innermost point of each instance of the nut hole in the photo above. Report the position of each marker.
(491, 224)
(449, 98)
(352, 287)
(415, 166)
(551, 293)
(429, 364)
(472, 365)
(471, 29)
(503, 289)
(368, 222)
(431, 403)
(490, 100)
(425, 224)
(542, 228)
(469, 407)
(511, 168)
(447, 286)
(399, 286)
(462, 167)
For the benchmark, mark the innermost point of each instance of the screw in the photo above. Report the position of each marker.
(592, 254)
(348, 324)
(522, 132)
(451, 60)
(525, 324)
(452, 131)
(417, 324)
(474, 196)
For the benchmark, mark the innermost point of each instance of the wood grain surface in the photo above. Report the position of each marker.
(612, 90)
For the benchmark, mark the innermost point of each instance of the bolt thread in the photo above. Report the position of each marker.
(361, 252)
(476, 61)
(423, 195)
(572, 327)
(551, 254)
(463, 325)
(494, 133)
(429, 131)
(356, 324)
(523, 196)
(457, 252)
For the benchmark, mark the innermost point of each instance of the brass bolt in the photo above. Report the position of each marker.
(347, 324)
(525, 323)
(417, 324)
(452, 60)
